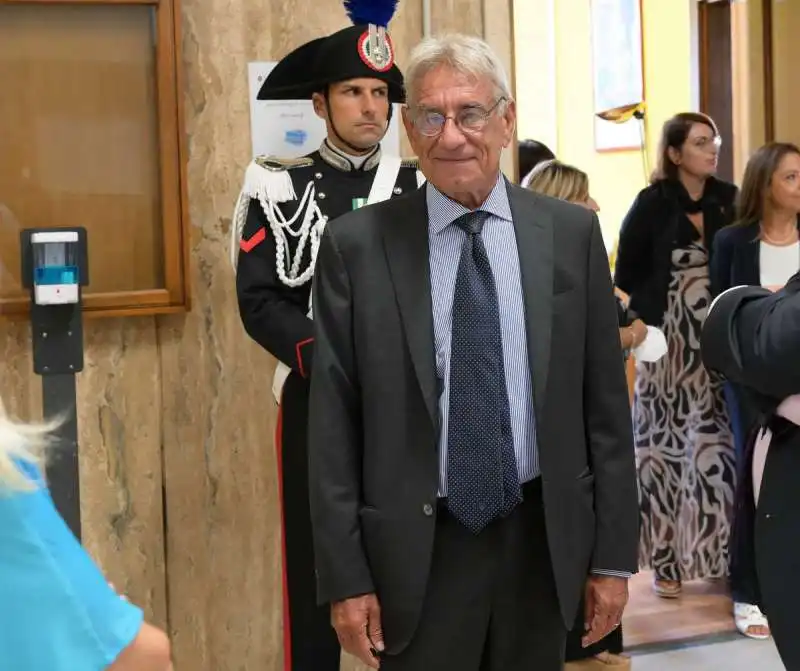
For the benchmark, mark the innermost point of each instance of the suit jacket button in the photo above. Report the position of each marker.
(427, 509)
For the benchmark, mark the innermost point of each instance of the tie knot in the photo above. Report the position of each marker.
(472, 222)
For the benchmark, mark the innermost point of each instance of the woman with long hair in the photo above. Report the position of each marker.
(58, 612)
(761, 249)
(684, 446)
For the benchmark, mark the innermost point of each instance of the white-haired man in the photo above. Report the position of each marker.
(471, 455)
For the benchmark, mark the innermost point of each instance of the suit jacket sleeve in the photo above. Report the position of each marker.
(608, 423)
(335, 436)
(752, 336)
(274, 315)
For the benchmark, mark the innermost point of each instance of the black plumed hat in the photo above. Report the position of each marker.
(362, 50)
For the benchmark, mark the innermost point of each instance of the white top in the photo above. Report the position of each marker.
(778, 263)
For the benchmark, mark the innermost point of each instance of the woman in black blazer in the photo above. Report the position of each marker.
(761, 249)
(684, 445)
(752, 336)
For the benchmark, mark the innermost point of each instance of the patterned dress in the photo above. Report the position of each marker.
(684, 445)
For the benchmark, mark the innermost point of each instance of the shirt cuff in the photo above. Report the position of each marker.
(615, 574)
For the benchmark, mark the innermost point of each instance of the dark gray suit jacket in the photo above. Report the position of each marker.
(374, 414)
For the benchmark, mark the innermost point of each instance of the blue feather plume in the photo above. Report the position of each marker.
(378, 12)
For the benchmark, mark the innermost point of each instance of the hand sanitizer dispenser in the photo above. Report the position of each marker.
(56, 267)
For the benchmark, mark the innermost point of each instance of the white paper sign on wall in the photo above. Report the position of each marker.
(290, 128)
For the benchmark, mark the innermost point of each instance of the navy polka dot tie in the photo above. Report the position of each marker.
(482, 477)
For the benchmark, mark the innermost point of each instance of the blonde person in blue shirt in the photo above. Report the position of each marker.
(57, 611)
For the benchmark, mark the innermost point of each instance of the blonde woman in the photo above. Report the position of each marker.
(57, 612)
(566, 182)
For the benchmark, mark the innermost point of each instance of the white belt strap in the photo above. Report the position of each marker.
(282, 371)
(385, 178)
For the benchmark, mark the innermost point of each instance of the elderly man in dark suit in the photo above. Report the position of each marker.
(471, 456)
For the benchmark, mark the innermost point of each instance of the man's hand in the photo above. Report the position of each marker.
(606, 597)
(357, 622)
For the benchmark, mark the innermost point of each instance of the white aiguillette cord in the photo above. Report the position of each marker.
(382, 186)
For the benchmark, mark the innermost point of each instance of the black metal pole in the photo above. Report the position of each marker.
(57, 339)
(63, 474)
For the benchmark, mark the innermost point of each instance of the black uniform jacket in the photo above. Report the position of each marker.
(274, 313)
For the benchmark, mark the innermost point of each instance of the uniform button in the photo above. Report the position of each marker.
(321, 196)
(427, 509)
(398, 190)
(324, 217)
(318, 175)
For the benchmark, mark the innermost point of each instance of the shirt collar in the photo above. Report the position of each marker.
(443, 211)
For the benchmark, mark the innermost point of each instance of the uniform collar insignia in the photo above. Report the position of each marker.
(336, 159)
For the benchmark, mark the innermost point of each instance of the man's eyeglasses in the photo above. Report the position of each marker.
(468, 120)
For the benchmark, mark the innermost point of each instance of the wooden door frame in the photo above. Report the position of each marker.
(705, 76)
(769, 79)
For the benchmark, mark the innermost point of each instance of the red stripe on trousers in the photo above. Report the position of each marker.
(287, 628)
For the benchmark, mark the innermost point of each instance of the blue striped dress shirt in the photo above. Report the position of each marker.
(445, 240)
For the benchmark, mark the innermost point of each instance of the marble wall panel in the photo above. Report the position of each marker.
(178, 480)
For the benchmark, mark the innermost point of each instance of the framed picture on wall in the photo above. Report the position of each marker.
(617, 70)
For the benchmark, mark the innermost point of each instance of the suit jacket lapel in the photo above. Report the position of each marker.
(407, 250)
(749, 256)
(534, 232)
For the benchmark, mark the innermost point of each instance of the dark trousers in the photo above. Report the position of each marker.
(491, 602)
(575, 651)
(744, 417)
(310, 642)
(777, 540)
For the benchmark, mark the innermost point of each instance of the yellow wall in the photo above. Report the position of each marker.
(748, 71)
(615, 177)
(535, 70)
(786, 79)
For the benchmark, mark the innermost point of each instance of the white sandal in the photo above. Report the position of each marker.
(747, 615)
